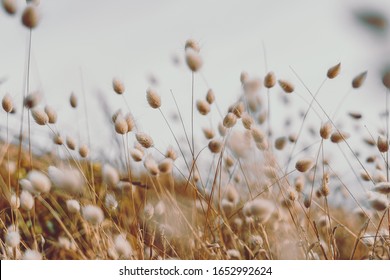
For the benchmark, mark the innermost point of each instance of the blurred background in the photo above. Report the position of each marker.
(85, 44)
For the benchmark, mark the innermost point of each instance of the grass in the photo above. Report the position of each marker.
(239, 193)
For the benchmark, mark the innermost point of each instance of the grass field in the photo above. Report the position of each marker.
(229, 190)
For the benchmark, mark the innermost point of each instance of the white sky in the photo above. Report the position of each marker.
(132, 39)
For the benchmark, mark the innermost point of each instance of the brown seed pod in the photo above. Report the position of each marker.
(30, 17)
(166, 165)
(51, 113)
(382, 187)
(39, 116)
(229, 120)
(118, 86)
(203, 107)
(210, 97)
(10, 6)
(270, 80)
(7, 103)
(334, 71)
(32, 100)
(215, 146)
(238, 109)
(358, 81)
(382, 144)
(136, 155)
(386, 79)
(121, 125)
(304, 164)
(73, 100)
(339, 136)
(247, 120)
(130, 122)
(83, 151)
(70, 143)
(170, 153)
(144, 139)
(57, 139)
(193, 59)
(208, 133)
(280, 143)
(326, 130)
(153, 98)
(192, 44)
(286, 86)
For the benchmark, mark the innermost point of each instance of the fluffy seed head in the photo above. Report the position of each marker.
(382, 144)
(30, 17)
(118, 86)
(12, 237)
(379, 202)
(210, 97)
(299, 183)
(144, 139)
(151, 166)
(14, 202)
(192, 44)
(92, 214)
(136, 155)
(40, 117)
(358, 81)
(257, 134)
(31, 255)
(229, 120)
(280, 143)
(83, 151)
(70, 142)
(304, 164)
(7, 103)
(73, 206)
(153, 98)
(26, 200)
(39, 181)
(203, 107)
(247, 120)
(383, 188)
(215, 146)
(130, 122)
(121, 126)
(32, 100)
(260, 209)
(238, 109)
(208, 133)
(116, 115)
(67, 179)
(110, 175)
(193, 59)
(334, 71)
(10, 6)
(339, 136)
(122, 246)
(171, 153)
(166, 165)
(51, 114)
(386, 79)
(73, 100)
(287, 86)
(326, 130)
(270, 80)
(325, 185)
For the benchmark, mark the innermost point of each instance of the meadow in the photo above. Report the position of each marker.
(232, 189)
